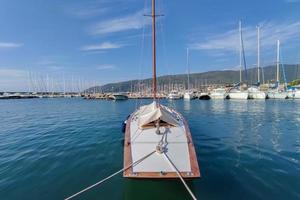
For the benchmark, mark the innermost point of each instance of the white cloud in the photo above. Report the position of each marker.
(105, 67)
(130, 22)
(9, 45)
(103, 46)
(270, 33)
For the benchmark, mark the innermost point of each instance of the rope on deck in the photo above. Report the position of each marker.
(109, 177)
(179, 175)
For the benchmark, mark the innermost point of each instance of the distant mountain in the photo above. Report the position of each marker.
(197, 80)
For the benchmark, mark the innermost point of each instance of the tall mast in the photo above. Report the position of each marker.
(258, 54)
(278, 61)
(188, 67)
(240, 32)
(154, 84)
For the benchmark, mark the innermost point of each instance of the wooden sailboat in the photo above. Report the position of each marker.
(158, 143)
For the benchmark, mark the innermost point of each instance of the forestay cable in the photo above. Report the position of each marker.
(179, 175)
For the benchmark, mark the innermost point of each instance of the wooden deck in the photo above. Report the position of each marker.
(194, 171)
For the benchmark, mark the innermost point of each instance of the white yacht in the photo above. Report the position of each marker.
(219, 93)
(277, 93)
(238, 94)
(293, 94)
(118, 96)
(174, 95)
(255, 93)
(188, 95)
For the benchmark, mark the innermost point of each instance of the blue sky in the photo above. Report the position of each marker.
(102, 41)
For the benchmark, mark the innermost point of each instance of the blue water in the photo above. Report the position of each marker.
(52, 148)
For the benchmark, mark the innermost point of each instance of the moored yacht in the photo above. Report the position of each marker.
(255, 93)
(204, 96)
(277, 92)
(218, 93)
(174, 95)
(119, 96)
(293, 93)
(238, 94)
(189, 95)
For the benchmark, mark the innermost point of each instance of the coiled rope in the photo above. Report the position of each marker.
(109, 177)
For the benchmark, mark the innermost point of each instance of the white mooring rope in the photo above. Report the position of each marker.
(112, 175)
(179, 175)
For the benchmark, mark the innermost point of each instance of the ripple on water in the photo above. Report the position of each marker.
(50, 149)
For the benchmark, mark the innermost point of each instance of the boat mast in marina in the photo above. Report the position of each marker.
(258, 55)
(277, 65)
(277, 93)
(188, 68)
(188, 95)
(254, 91)
(238, 93)
(241, 52)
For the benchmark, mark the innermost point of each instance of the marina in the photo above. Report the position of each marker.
(150, 99)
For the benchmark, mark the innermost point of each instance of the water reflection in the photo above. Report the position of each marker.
(218, 105)
(156, 189)
(187, 106)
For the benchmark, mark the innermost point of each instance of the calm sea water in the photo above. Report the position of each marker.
(52, 148)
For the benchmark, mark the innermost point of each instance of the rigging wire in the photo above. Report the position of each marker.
(110, 176)
(164, 49)
(139, 82)
(283, 70)
(179, 175)
(244, 56)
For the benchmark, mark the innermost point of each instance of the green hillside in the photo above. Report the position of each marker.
(197, 80)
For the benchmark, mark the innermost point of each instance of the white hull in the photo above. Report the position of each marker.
(257, 95)
(277, 95)
(297, 95)
(188, 96)
(219, 93)
(294, 95)
(218, 96)
(173, 97)
(239, 95)
(117, 97)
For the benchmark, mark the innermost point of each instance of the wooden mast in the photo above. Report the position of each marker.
(154, 84)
